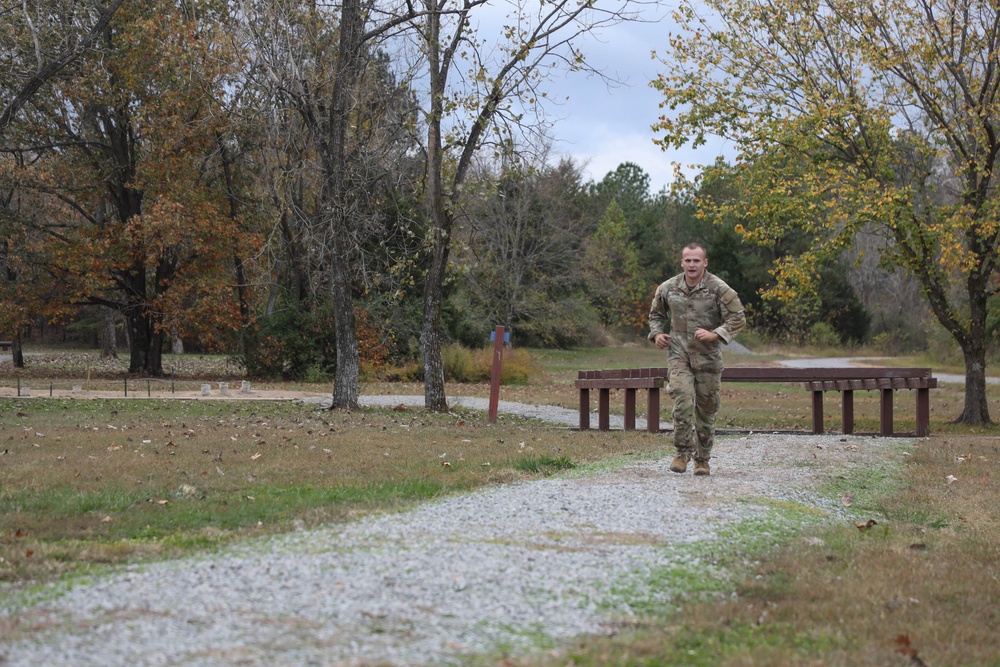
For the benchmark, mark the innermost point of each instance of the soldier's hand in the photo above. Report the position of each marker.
(662, 341)
(706, 336)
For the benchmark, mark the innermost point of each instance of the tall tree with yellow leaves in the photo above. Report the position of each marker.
(849, 115)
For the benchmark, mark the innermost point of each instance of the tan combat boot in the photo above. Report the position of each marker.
(680, 463)
(701, 468)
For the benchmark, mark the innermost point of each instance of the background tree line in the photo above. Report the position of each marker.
(327, 189)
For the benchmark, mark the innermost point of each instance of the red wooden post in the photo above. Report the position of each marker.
(653, 410)
(495, 374)
(847, 411)
(604, 409)
(885, 412)
(630, 409)
(923, 412)
(818, 411)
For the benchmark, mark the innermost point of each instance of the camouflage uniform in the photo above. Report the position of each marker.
(695, 366)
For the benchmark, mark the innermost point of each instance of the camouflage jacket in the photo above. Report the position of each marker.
(678, 310)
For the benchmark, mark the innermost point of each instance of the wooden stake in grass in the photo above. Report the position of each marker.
(495, 377)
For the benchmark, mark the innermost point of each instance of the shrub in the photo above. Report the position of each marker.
(284, 347)
(465, 365)
(822, 334)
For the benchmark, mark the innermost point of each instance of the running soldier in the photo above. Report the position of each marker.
(693, 314)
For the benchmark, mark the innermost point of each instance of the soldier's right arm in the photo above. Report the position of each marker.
(659, 314)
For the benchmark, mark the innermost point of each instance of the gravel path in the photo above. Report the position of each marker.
(511, 567)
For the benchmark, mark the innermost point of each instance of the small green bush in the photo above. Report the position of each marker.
(822, 334)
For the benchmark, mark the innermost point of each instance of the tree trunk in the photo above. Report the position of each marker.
(976, 410)
(430, 329)
(16, 353)
(345, 379)
(336, 165)
(440, 222)
(145, 343)
(109, 337)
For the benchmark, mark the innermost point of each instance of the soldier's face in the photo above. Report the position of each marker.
(694, 263)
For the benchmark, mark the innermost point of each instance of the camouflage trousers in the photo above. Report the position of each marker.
(696, 402)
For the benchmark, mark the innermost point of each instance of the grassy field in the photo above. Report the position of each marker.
(86, 483)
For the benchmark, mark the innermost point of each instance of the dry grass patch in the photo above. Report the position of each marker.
(920, 587)
(103, 481)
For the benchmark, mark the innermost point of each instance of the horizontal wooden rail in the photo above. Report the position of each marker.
(886, 380)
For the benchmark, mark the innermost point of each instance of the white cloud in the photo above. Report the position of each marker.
(604, 127)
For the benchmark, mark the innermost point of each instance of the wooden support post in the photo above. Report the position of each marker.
(629, 409)
(584, 409)
(604, 409)
(847, 411)
(495, 375)
(885, 417)
(653, 411)
(818, 411)
(923, 412)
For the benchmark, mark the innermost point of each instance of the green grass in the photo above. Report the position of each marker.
(545, 465)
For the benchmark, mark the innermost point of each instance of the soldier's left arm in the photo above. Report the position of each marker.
(733, 318)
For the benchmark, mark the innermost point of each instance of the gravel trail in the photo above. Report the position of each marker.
(511, 567)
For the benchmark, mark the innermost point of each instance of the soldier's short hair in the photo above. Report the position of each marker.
(694, 245)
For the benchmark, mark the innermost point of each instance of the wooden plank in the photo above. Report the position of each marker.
(923, 412)
(778, 374)
(584, 409)
(817, 404)
(630, 409)
(653, 410)
(847, 411)
(620, 383)
(885, 412)
(604, 410)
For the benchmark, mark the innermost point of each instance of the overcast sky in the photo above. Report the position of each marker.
(604, 127)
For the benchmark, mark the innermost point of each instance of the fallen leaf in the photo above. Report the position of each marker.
(847, 499)
(255, 456)
(951, 479)
(162, 502)
(865, 525)
(903, 646)
(445, 464)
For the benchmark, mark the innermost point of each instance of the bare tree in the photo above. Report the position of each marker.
(322, 65)
(466, 111)
(520, 247)
(75, 45)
